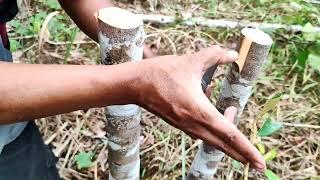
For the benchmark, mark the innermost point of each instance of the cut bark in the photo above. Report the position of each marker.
(253, 48)
(121, 37)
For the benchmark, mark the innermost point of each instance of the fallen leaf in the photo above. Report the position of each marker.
(269, 127)
(271, 175)
(83, 160)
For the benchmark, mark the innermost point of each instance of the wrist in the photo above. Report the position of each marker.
(129, 82)
(136, 85)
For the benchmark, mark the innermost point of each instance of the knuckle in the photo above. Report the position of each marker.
(223, 147)
(231, 137)
(219, 52)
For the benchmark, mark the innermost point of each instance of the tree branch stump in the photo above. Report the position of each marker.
(253, 48)
(121, 37)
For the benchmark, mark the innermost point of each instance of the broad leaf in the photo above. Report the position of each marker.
(308, 32)
(270, 104)
(314, 61)
(271, 175)
(269, 127)
(271, 155)
(14, 45)
(83, 160)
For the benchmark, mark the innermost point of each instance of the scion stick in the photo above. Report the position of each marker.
(253, 48)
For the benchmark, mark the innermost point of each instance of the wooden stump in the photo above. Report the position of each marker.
(253, 48)
(121, 37)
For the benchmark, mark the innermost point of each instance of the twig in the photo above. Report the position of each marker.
(44, 28)
(154, 146)
(246, 172)
(301, 125)
(183, 162)
(200, 21)
(68, 42)
(253, 137)
(73, 136)
(51, 138)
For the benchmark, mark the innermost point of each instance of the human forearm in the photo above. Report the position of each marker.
(34, 91)
(82, 13)
(168, 86)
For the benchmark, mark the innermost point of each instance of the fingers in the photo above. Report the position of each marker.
(230, 113)
(148, 53)
(215, 55)
(208, 137)
(233, 140)
(218, 143)
(230, 135)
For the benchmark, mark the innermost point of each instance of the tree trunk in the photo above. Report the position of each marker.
(253, 49)
(121, 37)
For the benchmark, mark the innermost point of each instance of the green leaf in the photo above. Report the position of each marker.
(270, 104)
(83, 160)
(308, 32)
(271, 175)
(314, 61)
(269, 127)
(14, 45)
(53, 4)
(302, 57)
(36, 22)
(261, 148)
(270, 155)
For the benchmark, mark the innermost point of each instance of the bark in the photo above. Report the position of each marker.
(253, 49)
(121, 40)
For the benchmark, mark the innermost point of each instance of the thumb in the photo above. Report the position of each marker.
(215, 55)
(148, 53)
(230, 113)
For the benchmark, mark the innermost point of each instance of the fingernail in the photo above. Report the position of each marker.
(232, 55)
(233, 108)
(260, 167)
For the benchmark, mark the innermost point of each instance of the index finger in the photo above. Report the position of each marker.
(215, 55)
(227, 132)
(230, 135)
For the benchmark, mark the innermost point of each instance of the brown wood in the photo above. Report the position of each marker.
(121, 37)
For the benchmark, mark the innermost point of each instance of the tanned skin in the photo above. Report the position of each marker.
(168, 86)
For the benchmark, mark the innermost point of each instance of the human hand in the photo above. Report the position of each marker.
(170, 87)
(148, 53)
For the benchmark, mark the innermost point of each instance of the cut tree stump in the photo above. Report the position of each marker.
(253, 48)
(121, 38)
